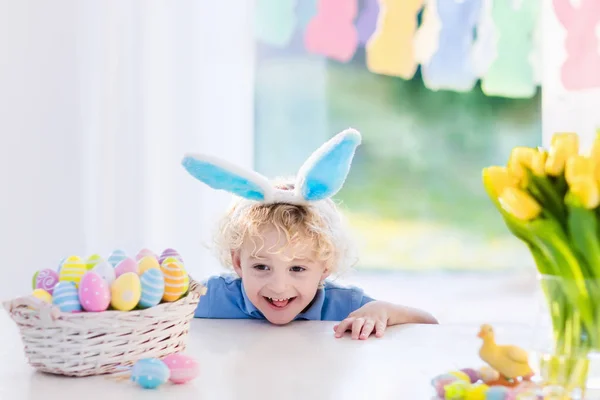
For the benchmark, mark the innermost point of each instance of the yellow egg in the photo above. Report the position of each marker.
(125, 292)
(477, 392)
(175, 280)
(169, 260)
(461, 375)
(186, 283)
(72, 270)
(146, 263)
(42, 295)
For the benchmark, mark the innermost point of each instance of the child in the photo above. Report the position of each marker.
(283, 240)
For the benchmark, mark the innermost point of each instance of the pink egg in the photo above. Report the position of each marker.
(183, 368)
(94, 292)
(127, 265)
(144, 253)
(46, 279)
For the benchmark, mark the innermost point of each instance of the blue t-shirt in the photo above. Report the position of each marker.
(225, 298)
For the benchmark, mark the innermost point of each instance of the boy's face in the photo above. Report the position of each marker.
(282, 278)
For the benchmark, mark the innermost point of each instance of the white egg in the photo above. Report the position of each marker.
(106, 271)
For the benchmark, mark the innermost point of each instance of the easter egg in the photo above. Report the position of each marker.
(92, 261)
(34, 279)
(174, 276)
(146, 263)
(440, 384)
(116, 257)
(42, 295)
(488, 374)
(150, 373)
(456, 390)
(477, 392)
(145, 253)
(461, 375)
(153, 288)
(106, 271)
(496, 393)
(126, 265)
(72, 270)
(65, 297)
(46, 279)
(125, 292)
(94, 292)
(183, 367)
(169, 253)
(472, 374)
(60, 264)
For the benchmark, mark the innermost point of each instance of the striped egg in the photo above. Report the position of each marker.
(116, 257)
(72, 270)
(183, 367)
(169, 253)
(60, 264)
(92, 260)
(146, 263)
(174, 276)
(153, 288)
(66, 297)
(150, 373)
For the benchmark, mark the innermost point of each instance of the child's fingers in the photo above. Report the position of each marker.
(380, 328)
(357, 326)
(367, 329)
(343, 326)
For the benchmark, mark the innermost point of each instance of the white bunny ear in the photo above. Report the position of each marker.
(221, 175)
(325, 171)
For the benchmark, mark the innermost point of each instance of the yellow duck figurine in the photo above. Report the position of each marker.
(510, 361)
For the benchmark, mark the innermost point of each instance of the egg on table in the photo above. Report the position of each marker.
(147, 263)
(153, 288)
(46, 279)
(183, 367)
(175, 281)
(150, 373)
(106, 271)
(72, 270)
(94, 292)
(125, 292)
(65, 297)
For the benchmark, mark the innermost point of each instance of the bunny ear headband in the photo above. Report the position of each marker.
(321, 176)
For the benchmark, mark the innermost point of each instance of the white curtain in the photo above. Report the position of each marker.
(99, 102)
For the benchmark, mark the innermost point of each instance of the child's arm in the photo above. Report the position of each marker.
(375, 316)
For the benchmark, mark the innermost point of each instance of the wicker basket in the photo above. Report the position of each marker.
(87, 343)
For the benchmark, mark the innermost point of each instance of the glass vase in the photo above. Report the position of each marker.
(566, 341)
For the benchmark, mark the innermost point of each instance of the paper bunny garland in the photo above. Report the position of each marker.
(321, 176)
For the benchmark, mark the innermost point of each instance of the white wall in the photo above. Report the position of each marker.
(98, 103)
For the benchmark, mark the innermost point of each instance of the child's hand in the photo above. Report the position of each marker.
(373, 316)
(378, 315)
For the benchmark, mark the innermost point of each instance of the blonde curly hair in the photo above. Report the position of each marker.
(321, 224)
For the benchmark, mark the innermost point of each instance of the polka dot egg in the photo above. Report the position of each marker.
(153, 288)
(46, 279)
(174, 276)
(94, 293)
(150, 373)
(125, 292)
(65, 297)
(72, 270)
(183, 367)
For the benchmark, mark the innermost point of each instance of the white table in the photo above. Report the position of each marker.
(247, 359)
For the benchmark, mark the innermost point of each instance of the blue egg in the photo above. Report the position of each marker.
(153, 288)
(65, 296)
(496, 393)
(150, 373)
(116, 257)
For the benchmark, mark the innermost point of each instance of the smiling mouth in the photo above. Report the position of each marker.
(279, 303)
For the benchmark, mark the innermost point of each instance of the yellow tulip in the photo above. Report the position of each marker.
(538, 162)
(586, 190)
(595, 156)
(578, 167)
(497, 179)
(521, 159)
(519, 204)
(563, 145)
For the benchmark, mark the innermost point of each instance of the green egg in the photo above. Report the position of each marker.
(92, 261)
(34, 278)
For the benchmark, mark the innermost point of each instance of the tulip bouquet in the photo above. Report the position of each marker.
(549, 200)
